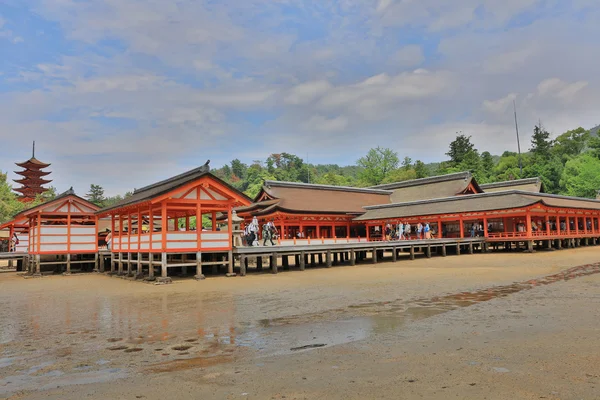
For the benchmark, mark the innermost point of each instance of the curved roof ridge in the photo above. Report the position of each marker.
(269, 183)
(513, 182)
(425, 181)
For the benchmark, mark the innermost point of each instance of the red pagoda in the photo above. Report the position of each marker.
(32, 180)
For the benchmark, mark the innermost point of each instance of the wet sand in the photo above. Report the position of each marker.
(455, 327)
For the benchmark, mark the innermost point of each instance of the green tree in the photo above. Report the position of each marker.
(96, 195)
(377, 165)
(420, 169)
(459, 148)
(581, 176)
(238, 168)
(400, 175)
(487, 166)
(541, 143)
(407, 163)
(570, 144)
(9, 203)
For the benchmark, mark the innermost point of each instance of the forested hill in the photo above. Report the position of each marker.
(568, 164)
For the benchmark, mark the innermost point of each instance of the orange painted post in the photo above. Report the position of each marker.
(164, 225)
(294, 240)
(461, 227)
(128, 233)
(547, 225)
(10, 237)
(112, 230)
(485, 227)
(199, 222)
(309, 240)
(68, 227)
(229, 227)
(568, 223)
(528, 224)
(368, 232)
(440, 231)
(318, 231)
(558, 230)
(140, 225)
(214, 221)
(96, 221)
(39, 231)
(577, 225)
(150, 227)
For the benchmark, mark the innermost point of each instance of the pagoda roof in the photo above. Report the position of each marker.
(27, 189)
(32, 172)
(33, 163)
(32, 180)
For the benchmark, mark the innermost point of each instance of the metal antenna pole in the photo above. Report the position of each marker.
(307, 168)
(518, 141)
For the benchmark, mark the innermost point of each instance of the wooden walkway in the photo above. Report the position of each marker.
(331, 254)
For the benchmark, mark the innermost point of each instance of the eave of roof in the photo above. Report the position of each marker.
(146, 194)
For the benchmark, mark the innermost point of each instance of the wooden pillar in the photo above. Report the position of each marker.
(577, 225)
(230, 262)
(163, 265)
(214, 220)
(273, 263)
(368, 232)
(440, 233)
(318, 231)
(150, 226)
(547, 225)
(394, 254)
(412, 252)
(458, 249)
(558, 231)
(302, 260)
(328, 259)
(38, 265)
(374, 255)
(120, 272)
(352, 257)
(443, 250)
(461, 227)
(139, 262)
(485, 227)
(568, 224)
(151, 265)
(243, 264)
(68, 264)
(470, 247)
(428, 251)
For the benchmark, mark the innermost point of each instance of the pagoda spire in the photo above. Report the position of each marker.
(32, 178)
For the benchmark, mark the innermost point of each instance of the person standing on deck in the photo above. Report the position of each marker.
(407, 229)
(419, 231)
(427, 231)
(108, 239)
(400, 230)
(268, 232)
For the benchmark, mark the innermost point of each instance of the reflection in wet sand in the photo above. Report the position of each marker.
(44, 341)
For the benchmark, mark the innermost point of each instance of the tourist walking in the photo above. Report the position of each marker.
(268, 233)
(419, 231)
(108, 239)
(400, 230)
(407, 229)
(427, 231)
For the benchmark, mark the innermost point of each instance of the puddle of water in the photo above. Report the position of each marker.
(379, 317)
(5, 362)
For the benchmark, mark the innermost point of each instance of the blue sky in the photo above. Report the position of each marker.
(122, 93)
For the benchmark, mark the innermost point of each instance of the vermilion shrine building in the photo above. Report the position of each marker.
(167, 208)
(60, 231)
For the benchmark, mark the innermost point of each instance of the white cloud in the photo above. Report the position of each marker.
(305, 93)
(557, 88)
(499, 106)
(409, 56)
(323, 124)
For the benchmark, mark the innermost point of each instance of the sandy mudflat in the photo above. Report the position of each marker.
(440, 328)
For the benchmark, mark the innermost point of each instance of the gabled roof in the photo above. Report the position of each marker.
(474, 203)
(57, 199)
(154, 190)
(533, 185)
(432, 187)
(296, 197)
